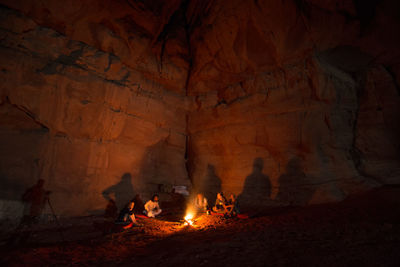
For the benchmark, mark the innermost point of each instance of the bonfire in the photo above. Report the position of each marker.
(188, 220)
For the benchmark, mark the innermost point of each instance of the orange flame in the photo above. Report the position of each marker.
(189, 219)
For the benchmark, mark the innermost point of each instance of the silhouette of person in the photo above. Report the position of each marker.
(178, 200)
(111, 209)
(35, 199)
(122, 191)
(291, 190)
(257, 185)
(139, 204)
(212, 184)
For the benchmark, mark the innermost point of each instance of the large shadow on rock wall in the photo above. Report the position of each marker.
(121, 192)
(162, 167)
(208, 184)
(211, 184)
(294, 187)
(22, 141)
(257, 186)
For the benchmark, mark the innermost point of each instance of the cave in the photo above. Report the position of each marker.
(293, 106)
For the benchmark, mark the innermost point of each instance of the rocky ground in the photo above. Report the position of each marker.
(363, 230)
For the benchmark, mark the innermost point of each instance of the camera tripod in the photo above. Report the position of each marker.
(56, 219)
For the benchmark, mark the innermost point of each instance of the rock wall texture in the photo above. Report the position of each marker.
(296, 102)
(90, 125)
(280, 102)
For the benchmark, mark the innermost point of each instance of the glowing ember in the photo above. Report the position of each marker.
(189, 219)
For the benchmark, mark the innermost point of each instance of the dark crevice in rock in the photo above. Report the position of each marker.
(137, 5)
(134, 28)
(394, 78)
(63, 60)
(221, 102)
(355, 153)
(115, 110)
(366, 10)
(29, 113)
(176, 20)
(51, 68)
(303, 7)
(238, 99)
(188, 153)
(191, 21)
(168, 28)
(190, 51)
(70, 60)
(57, 65)
(162, 54)
(110, 60)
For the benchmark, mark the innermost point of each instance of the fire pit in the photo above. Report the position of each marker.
(188, 220)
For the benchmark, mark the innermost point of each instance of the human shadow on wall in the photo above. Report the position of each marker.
(35, 199)
(158, 173)
(294, 189)
(211, 185)
(158, 170)
(257, 186)
(122, 191)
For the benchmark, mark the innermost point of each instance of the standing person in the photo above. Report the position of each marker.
(152, 208)
(201, 203)
(35, 199)
(127, 215)
(220, 203)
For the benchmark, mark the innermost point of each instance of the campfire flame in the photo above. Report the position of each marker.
(189, 219)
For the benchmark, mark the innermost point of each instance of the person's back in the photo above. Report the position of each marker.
(220, 203)
(233, 205)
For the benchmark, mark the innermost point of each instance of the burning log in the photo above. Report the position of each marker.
(188, 220)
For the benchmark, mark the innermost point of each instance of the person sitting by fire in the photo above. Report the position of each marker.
(152, 208)
(201, 203)
(127, 216)
(220, 204)
(232, 206)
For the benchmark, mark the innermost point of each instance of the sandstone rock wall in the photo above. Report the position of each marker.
(84, 121)
(295, 97)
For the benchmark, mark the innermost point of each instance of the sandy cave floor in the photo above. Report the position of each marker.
(362, 230)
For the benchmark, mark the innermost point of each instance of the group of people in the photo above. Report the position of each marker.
(227, 207)
(127, 215)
